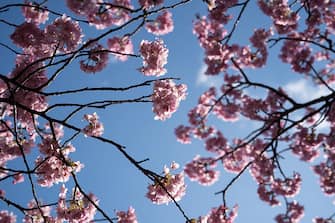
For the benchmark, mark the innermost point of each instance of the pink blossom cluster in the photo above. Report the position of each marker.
(120, 47)
(200, 169)
(7, 217)
(97, 59)
(29, 76)
(293, 215)
(34, 14)
(127, 217)
(64, 34)
(220, 214)
(10, 150)
(154, 56)
(102, 15)
(162, 25)
(55, 166)
(166, 98)
(95, 127)
(284, 19)
(306, 144)
(78, 209)
(146, 4)
(35, 215)
(326, 171)
(171, 185)
(299, 55)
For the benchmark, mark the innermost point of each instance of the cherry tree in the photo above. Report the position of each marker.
(38, 130)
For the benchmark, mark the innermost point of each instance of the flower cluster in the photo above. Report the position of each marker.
(150, 3)
(95, 127)
(79, 209)
(166, 98)
(120, 47)
(34, 14)
(326, 171)
(294, 213)
(64, 34)
(154, 56)
(127, 217)
(201, 170)
(7, 217)
(35, 215)
(220, 214)
(97, 59)
(162, 25)
(55, 166)
(167, 187)
(102, 15)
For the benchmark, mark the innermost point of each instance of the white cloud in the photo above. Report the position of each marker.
(208, 80)
(303, 90)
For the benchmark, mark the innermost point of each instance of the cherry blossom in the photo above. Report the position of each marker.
(120, 47)
(97, 59)
(7, 217)
(35, 215)
(166, 98)
(64, 34)
(171, 185)
(222, 214)
(84, 7)
(150, 3)
(183, 134)
(55, 166)
(27, 34)
(34, 14)
(154, 56)
(94, 128)
(200, 169)
(127, 217)
(79, 209)
(294, 214)
(162, 25)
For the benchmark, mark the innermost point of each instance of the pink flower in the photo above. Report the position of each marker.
(82, 7)
(97, 59)
(183, 134)
(52, 169)
(293, 214)
(107, 15)
(120, 47)
(150, 3)
(166, 98)
(64, 34)
(287, 187)
(127, 217)
(162, 25)
(18, 178)
(34, 215)
(7, 217)
(326, 171)
(27, 34)
(79, 209)
(201, 170)
(217, 144)
(154, 56)
(173, 184)
(221, 215)
(33, 14)
(95, 128)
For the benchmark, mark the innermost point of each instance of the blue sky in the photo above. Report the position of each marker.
(110, 176)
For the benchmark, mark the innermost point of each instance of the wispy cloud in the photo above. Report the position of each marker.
(303, 90)
(207, 80)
